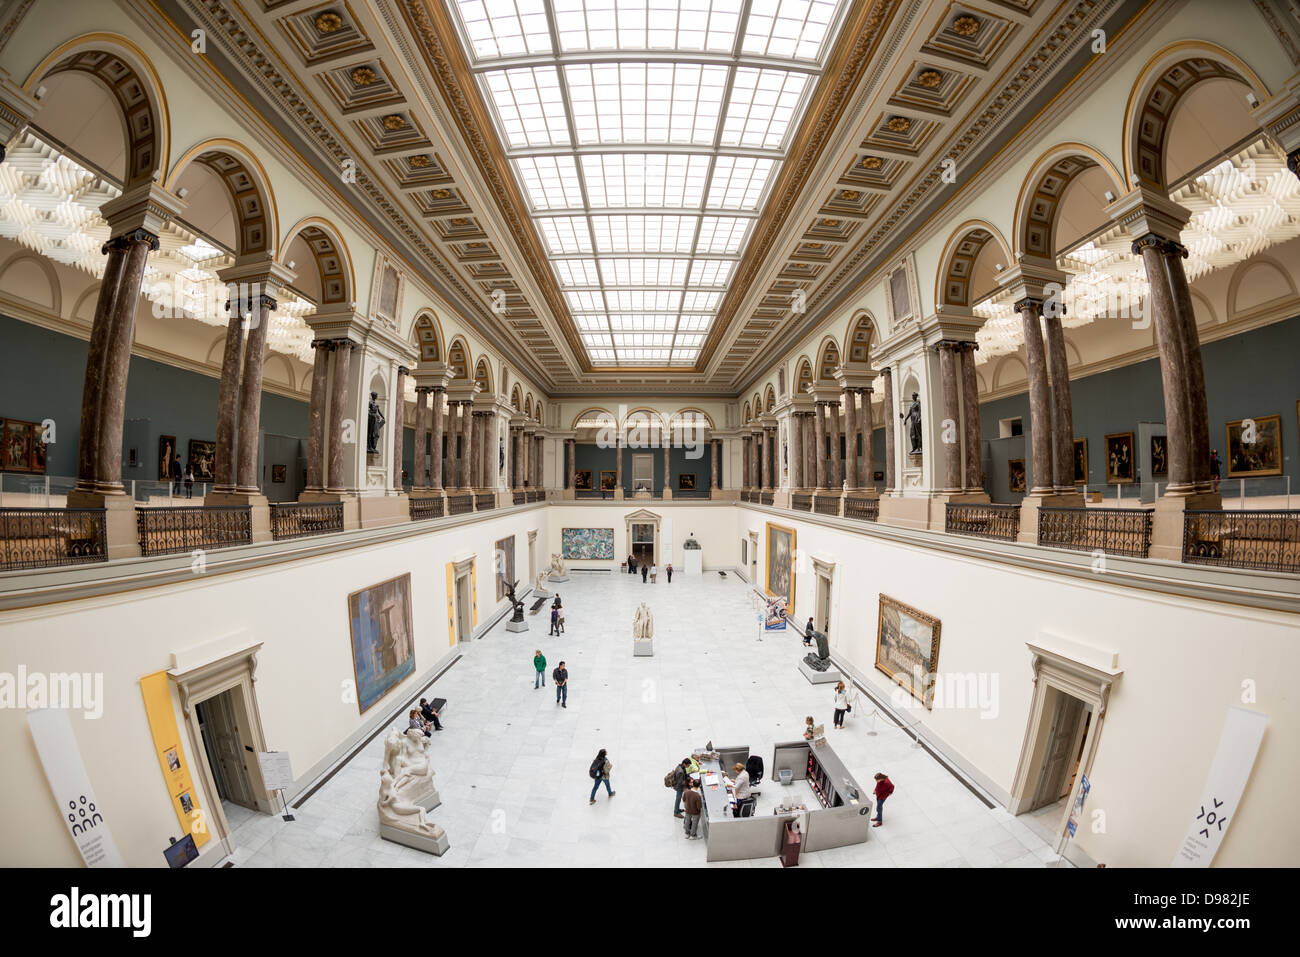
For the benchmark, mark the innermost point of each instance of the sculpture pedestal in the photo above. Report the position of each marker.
(516, 626)
(558, 578)
(815, 677)
(436, 846)
(694, 561)
(542, 593)
(643, 647)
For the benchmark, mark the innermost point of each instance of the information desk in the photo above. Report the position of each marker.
(843, 817)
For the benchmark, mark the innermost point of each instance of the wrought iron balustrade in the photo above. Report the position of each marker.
(426, 507)
(165, 531)
(800, 502)
(49, 537)
(1000, 522)
(766, 498)
(459, 504)
(302, 519)
(521, 498)
(1115, 531)
(484, 501)
(825, 505)
(863, 509)
(1261, 540)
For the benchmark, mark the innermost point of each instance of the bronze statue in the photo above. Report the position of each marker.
(820, 660)
(376, 425)
(913, 420)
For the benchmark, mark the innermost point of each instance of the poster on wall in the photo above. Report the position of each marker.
(590, 544)
(383, 647)
(1255, 447)
(158, 708)
(774, 615)
(780, 564)
(503, 557)
(81, 811)
(907, 647)
(203, 459)
(1120, 458)
(1243, 730)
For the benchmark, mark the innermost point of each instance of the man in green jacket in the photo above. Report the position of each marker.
(539, 662)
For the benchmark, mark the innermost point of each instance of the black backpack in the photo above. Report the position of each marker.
(596, 767)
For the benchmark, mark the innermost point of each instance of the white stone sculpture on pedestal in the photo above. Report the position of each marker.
(406, 756)
(558, 573)
(643, 631)
(539, 586)
(406, 778)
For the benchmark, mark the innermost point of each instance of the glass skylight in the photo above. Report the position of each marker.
(645, 136)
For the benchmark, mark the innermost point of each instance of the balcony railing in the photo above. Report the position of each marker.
(460, 504)
(826, 505)
(1001, 522)
(164, 531)
(48, 537)
(536, 495)
(521, 498)
(426, 507)
(800, 502)
(766, 498)
(1263, 540)
(863, 509)
(1115, 531)
(303, 519)
(484, 501)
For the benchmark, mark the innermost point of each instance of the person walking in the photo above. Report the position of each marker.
(176, 476)
(561, 678)
(693, 801)
(555, 621)
(884, 788)
(539, 664)
(841, 704)
(1216, 467)
(189, 481)
(599, 772)
(654, 574)
(681, 777)
(631, 565)
(808, 632)
(560, 620)
(669, 569)
(645, 573)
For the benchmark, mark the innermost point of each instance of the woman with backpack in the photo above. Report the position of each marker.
(841, 704)
(599, 772)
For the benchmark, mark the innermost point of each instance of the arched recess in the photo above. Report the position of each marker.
(1001, 373)
(127, 73)
(644, 417)
(483, 376)
(528, 406)
(286, 375)
(956, 283)
(426, 336)
(253, 201)
(828, 360)
(41, 271)
(1039, 204)
(858, 339)
(769, 399)
(1161, 84)
(745, 414)
(594, 417)
(1269, 286)
(757, 403)
(803, 378)
(539, 410)
(322, 241)
(516, 398)
(458, 358)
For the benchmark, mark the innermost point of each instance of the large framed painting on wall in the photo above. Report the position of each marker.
(780, 564)
(907, 647)
(383, 643)
(1120, 460)
(1081, 461)
(607, 480)
(166, 453)
(22, 446)
(589, 544)
(1016, 475)
(1159, 455)
(582, 480)
(1255, 447)
(503, 558)
(203, 459)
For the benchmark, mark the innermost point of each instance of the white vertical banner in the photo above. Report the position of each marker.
(1243, 731)
(66, 772)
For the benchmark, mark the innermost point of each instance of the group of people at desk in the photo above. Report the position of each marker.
(738, 786)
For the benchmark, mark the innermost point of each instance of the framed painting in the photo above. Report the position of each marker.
(1080, 461)
(17, 439)
(1120, 460)
(1255, 447)
(166, 452)
(582, 480)
(1159, 455)
(383, 645)
(279, 473)
(686, 482)
(587, 544)
(203, 459)
(607, 479)
(503, 560)
(780, 564)
(907, 647)
(1016, 474)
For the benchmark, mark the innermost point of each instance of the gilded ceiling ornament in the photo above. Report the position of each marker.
(363, 76)
(328, 23)
(460, 221)
(814, 245)
(441, 194)
(850, 194)
(898, 124)
(420, 162)
(475, 245)
(872, 162)
(394, 122)
(930, 79)
(966, 26)
(832, 223)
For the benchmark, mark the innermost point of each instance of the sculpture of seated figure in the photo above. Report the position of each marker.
(557, 568)
(406, 759)
(539, 586)
(820, 660)
(396, 811)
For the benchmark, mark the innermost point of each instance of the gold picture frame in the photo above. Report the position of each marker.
(779, 580)
(1261, 457)
(1121, 459)
(902, 636)
(1081, 461)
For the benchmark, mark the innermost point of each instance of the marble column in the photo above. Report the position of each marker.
(316, 414)
(250, 392)
(768, 473)
(228, 399)
(1040, 409)
(1062, 415)
(618, 462)
(807, 472)
(819, 442)
(97, 378)
(950, 433)
(467, 446)
(867, 477)
(336, 481)
(850, 439)
(713, 465)
(974, 474)
(571, 450)
(891, 462)
(796, 451)
(836, 476)
(744, 461)
(437, 412)
(420, 477)
(516, 459)
(398, 426)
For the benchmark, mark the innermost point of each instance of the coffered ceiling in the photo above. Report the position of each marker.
(643, 194)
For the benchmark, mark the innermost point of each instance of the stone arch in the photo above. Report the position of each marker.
(828, 360)
(1159, 87)
(952, 284)
(653, 416)
(745, 415)
(333, 260)
(426, 336)
(862, 332)
(1268, 276)
(1042, 191)
(249, 187)
(458, 358)
(127, 72)
(596, 413)
(287, 375)
(516, 398)
(769, 399)
(483, 375)
(55, 291)
(803, 377)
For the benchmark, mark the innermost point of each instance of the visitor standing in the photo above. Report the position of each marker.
(680, 778)
(645, 573)
(429, 714)
(808, 632)
(631, 565)
(669, 569)
(560, 621)
(599, 771)
(693, 801)
(555, 621)
(884, 788)
(740, 787)
(1216, 467)
(176, 476)
(539, 663)
(561, 678)
(841, 704)
(189, 481)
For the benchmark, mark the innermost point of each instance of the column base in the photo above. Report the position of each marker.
(1167, 522)
(781, 498)
(569, 495)
(121, 532)
(351, 508)
(258, 506)
(668, 493)
(724, 495)
(1030, 505)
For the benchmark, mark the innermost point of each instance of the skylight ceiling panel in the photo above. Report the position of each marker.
(791, 29)
(644, 234)
(551, 182)
(701, 301)
(641, 322)
(645, 102)
(502, 28)
(529, 106)
(710, 272)
(689, 340)
(585, 301)
(722, 234)
(644, 272)
(762, 108)
(642, 339)
(577, 272)
(645, 180)
(644, 300)
(739, 182)
(564, 234)
(591, 324)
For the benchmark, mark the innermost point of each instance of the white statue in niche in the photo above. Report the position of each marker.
(643, 623)
(406, 761)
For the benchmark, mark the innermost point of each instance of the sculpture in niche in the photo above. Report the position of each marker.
(912, 419)
(515, 603)
(376, 425)
(643, 623)
(819, 660)
(501, 455)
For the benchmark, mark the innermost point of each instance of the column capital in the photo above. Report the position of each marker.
(423, 389)
(244, 301)
(403, 370)
(1167, 247)
(1029, 302)
(147, 206)
(1145, 210)
(131, 238)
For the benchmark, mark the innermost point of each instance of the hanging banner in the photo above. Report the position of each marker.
(775, 616)
(66, 772)
(171, 755)
(1243, 731)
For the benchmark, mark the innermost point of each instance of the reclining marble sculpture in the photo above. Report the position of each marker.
(405, 781)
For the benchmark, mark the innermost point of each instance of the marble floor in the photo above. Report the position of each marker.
(512, 766)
